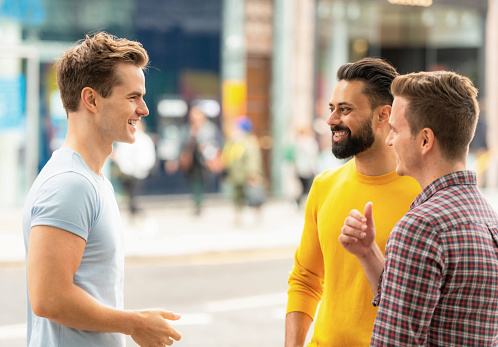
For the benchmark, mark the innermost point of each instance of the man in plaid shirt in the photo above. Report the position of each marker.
(438, 284)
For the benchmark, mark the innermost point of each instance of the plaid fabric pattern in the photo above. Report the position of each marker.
(440, 285)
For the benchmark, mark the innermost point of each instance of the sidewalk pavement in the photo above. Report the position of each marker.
(168, 228)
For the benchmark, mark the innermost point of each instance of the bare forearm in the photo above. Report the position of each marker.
(297, 325)
(53, 259)
(75, 308)
(373, 265)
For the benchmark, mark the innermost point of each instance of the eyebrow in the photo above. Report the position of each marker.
(135, 93)
(344, 103)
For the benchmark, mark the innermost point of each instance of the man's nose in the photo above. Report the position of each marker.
(143, 110)
(334, 118)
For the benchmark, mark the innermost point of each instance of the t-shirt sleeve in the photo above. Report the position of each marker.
(66, 201)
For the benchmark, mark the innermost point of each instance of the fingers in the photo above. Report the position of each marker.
(347, 240)
(354, 224)
(173, 334)
(368, 212)
(156, 327)
(351, 233)
(170, 315)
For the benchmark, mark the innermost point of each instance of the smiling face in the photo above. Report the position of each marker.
(350, 120)
(408, 158)
(120, 112)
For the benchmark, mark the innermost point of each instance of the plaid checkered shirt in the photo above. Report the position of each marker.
(440, 284)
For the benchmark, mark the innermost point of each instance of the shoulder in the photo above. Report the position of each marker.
(413, 235)
(66, 179)
(68, 187)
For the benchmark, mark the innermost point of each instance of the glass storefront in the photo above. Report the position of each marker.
(181, 37)
(448, 35)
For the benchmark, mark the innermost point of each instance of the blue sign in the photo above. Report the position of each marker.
(12, 101)
(29, 12)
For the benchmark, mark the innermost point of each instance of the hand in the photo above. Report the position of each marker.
(154, 330)
(358, 233)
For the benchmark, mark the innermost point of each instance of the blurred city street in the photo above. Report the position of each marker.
(259, 76)
(168, 228)
(228, 281)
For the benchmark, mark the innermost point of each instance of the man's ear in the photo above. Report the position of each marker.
(383, 113)
(427, 140)
(89, 99)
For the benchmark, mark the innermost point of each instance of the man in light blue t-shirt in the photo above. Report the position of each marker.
(71, 223)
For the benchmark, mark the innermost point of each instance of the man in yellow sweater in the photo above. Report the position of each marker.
(323, 271)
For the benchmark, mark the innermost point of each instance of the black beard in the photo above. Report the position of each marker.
(354, 144)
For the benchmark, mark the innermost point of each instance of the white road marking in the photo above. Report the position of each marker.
(193, 319)
(14, 331)
(245, 303)
(278, 313)
(18, 331)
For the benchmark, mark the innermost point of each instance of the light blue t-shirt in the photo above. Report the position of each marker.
(68, 195)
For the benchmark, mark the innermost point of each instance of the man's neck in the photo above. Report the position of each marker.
(376, 161)
(437, 170)
(91, 147)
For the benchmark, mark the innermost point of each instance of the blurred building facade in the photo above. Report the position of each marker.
(274, 60)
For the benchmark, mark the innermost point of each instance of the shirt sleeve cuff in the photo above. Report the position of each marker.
(377, 297)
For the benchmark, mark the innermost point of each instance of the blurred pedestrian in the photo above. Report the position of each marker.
(437, 283)
(135, 162)
(199, 151)
(244, 167)
(360, 108)
(305, 161)
(71, 223)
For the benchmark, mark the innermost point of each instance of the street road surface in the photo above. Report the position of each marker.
(226, 300)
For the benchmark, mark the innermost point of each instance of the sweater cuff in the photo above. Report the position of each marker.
(302, 303)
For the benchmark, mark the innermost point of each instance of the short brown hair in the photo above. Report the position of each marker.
(91, 63)
(444, 102)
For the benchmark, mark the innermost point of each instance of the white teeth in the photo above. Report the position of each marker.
(133, 122)
(340, 133)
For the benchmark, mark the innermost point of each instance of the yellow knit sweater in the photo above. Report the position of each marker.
(324, 271)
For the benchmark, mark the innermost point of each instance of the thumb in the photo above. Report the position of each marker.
(170, 315)
(368, 213)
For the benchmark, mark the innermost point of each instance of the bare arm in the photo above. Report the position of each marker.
(53, 258)
(297, 325)
(358, 237)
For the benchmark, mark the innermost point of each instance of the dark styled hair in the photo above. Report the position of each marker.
(377, 75)
(91, 62)
(444, 102)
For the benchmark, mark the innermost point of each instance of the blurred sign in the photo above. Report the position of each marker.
(234, 98)
(175, 108)
(30, 12)
(211, 108)
(12, 100)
